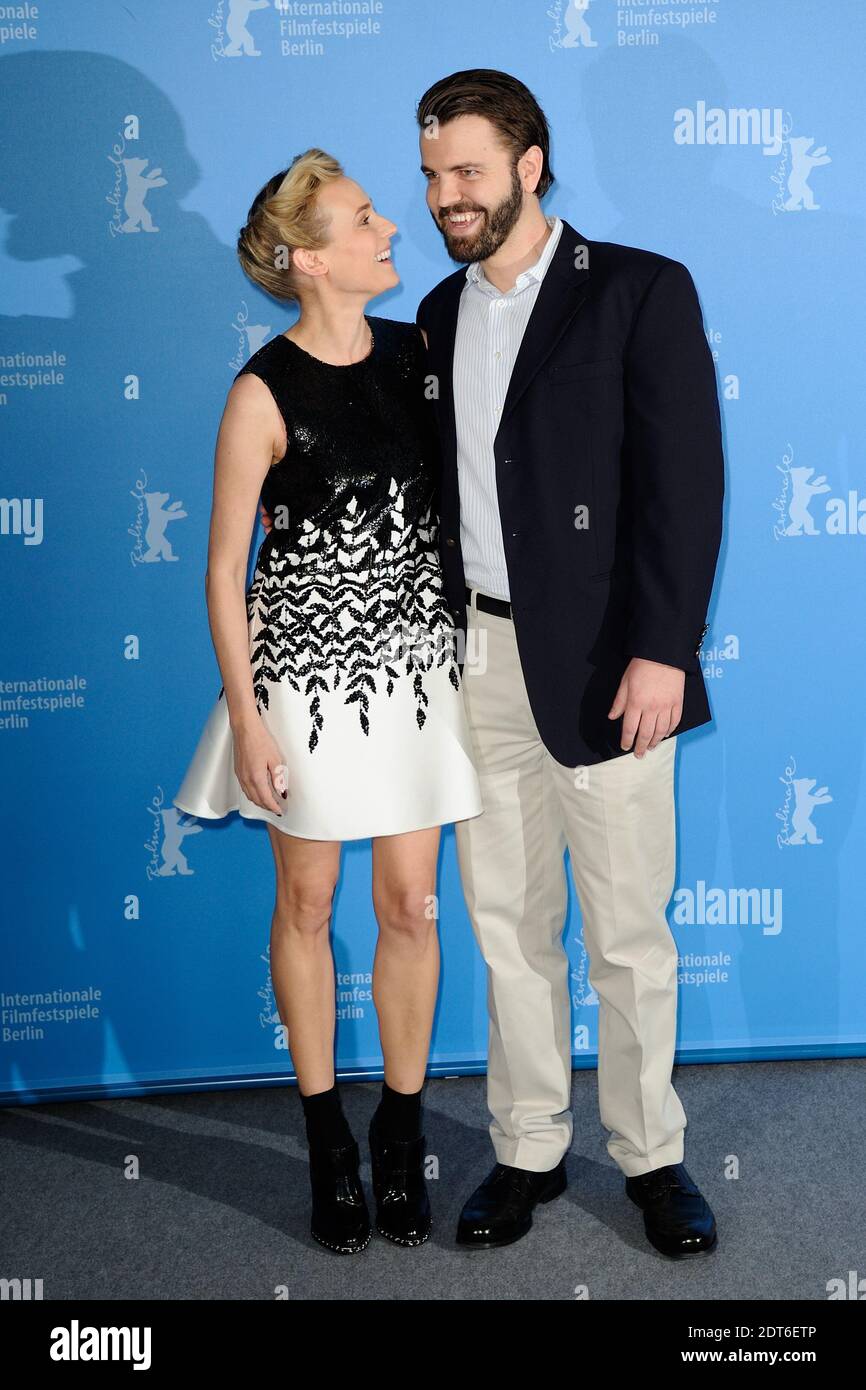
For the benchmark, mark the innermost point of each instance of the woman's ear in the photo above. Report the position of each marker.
(308, 262)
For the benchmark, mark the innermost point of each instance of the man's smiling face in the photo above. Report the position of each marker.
(474, 191)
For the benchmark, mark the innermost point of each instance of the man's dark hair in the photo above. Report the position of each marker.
(506, 103)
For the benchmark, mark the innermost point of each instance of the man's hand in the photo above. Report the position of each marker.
(267, 519)
(650, 696)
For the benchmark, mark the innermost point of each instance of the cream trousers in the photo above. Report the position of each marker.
(616, 818)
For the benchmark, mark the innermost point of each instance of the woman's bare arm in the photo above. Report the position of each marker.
(251, 436)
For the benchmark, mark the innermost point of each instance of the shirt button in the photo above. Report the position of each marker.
(497, 354)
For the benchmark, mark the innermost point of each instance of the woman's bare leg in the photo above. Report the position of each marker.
(406, 963)
(302, 966)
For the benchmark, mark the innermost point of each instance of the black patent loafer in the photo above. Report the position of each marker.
(400, 1188)
(677, 1218)
(500, 1210)
(340, 1218)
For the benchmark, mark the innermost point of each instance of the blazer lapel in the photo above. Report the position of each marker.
(560, 294)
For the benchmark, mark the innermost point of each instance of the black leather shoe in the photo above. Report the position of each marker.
(500, 1210)
(400, 1188)
(677, 1219)
(340, 1218)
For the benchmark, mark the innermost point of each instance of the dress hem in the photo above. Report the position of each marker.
(341, 839)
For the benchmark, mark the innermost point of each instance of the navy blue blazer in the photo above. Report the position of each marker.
(610, 482)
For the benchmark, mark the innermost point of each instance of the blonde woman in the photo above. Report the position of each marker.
(340, 716)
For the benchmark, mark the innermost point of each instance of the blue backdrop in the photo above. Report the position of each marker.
(725, 133)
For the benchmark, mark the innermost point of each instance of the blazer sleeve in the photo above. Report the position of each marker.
(674, 472)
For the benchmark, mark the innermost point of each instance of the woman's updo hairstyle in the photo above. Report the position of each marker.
(283, 218)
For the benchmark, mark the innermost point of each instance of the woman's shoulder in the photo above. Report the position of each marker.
(397, 327)
(399, 344)
(263, 360)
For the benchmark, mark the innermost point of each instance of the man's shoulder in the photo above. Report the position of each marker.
(441, 294)
(636, 263)
(607, 261)
(635, 268)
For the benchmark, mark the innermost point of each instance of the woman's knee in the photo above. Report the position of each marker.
(304, 907)
(407, 913)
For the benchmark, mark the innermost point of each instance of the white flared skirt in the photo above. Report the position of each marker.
(396, 777)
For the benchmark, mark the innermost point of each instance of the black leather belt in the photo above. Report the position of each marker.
(488, 604)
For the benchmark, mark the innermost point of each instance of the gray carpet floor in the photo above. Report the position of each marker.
(219, 1208)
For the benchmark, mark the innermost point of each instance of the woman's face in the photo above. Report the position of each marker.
(358, 253)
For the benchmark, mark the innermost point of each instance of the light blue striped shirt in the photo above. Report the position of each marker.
(490, 328)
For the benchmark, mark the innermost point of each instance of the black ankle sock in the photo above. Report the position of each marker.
(398, 1115)
(326, 1124)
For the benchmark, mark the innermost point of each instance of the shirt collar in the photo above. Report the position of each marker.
(533, 273)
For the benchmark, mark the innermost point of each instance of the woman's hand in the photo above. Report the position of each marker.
(267, 519)
(259, 765)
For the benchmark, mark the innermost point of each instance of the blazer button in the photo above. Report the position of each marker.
(449, 540)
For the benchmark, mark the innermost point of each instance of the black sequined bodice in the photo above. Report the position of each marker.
(352, 432)
(347, 592)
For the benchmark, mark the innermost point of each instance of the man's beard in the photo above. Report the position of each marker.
(495, 226)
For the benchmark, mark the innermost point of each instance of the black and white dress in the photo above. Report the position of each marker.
(350, 636)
